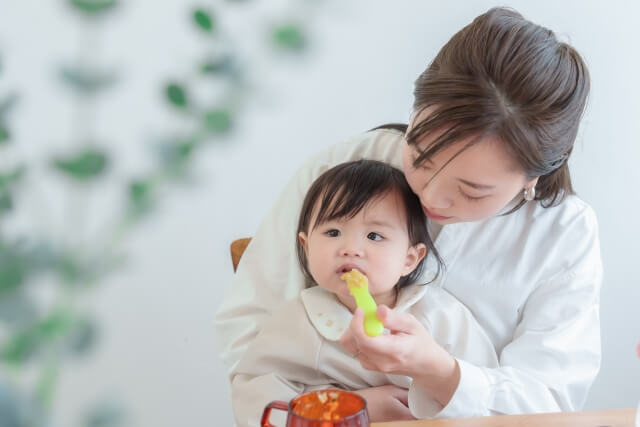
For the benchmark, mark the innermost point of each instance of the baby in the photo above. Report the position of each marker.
(363, 216)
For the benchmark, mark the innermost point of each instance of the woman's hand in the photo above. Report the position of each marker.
(386, 403)
(408, 350)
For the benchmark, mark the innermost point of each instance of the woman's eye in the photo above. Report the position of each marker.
(333, 233)
(374, 236)
(425, 165)
(468, 197)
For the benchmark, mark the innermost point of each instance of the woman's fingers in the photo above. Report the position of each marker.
(355, 340)
(386, 352)
(362, 342)
(351, 339)
(408, 349)
(396, 322)
(357, 323)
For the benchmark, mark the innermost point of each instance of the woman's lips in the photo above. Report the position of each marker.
(432, 215)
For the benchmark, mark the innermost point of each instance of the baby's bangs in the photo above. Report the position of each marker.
(346, 195)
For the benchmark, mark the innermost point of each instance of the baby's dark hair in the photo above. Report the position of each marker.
(344, 190)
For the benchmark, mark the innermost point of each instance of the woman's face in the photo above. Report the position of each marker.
(475, 185)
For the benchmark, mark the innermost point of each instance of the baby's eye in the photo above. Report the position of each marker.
(374, 236)
(332, 233)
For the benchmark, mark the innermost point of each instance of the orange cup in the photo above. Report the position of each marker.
(321, 408)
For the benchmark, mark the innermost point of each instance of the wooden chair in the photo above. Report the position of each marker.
(237, 249)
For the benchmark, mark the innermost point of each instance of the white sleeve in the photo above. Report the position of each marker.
(268, 273)
(454, 327)
(554, 356)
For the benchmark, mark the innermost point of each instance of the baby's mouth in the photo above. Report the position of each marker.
(347, 268)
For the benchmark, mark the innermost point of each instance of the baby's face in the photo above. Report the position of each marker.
(375, 242)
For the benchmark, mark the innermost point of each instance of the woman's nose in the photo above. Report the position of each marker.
(434, 196)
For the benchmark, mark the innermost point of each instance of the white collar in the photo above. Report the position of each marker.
(331, 318)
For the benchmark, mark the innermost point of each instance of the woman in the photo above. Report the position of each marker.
(495, 118)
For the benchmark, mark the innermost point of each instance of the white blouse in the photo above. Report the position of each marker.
(531, 279)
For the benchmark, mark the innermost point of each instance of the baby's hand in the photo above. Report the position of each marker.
(359, 288)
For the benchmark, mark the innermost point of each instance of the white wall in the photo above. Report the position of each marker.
(157, 350)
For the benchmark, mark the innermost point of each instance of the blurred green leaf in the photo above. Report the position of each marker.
(184, 149)
(203, 20)
(85, 80)
(19, 347)
(18, 260)
(47, 382)
(54, 325)
(93, 7)
(12, 273)
(5, 106)
(289, 37)
(175, 156)
(83, 336)
(106, 414)
(69, 268)
(218, 121)
(13, 268)
(141, 197)
(84, 165)
(7, 180)
(10, 178)
(6, 204)
(81, 269)
(177, 95)
(4, 134)
(140, 193)
(225, 65)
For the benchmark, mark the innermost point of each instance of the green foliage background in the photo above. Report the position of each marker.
(45, 341)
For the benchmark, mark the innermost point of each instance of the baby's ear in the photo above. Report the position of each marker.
(302, 237)
(415, 254)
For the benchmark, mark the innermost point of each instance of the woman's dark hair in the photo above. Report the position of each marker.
(506, 77)
(346, 189)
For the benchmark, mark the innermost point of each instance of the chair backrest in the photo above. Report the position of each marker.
(237, 249)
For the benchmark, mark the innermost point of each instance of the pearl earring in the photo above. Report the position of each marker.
(529, 193)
